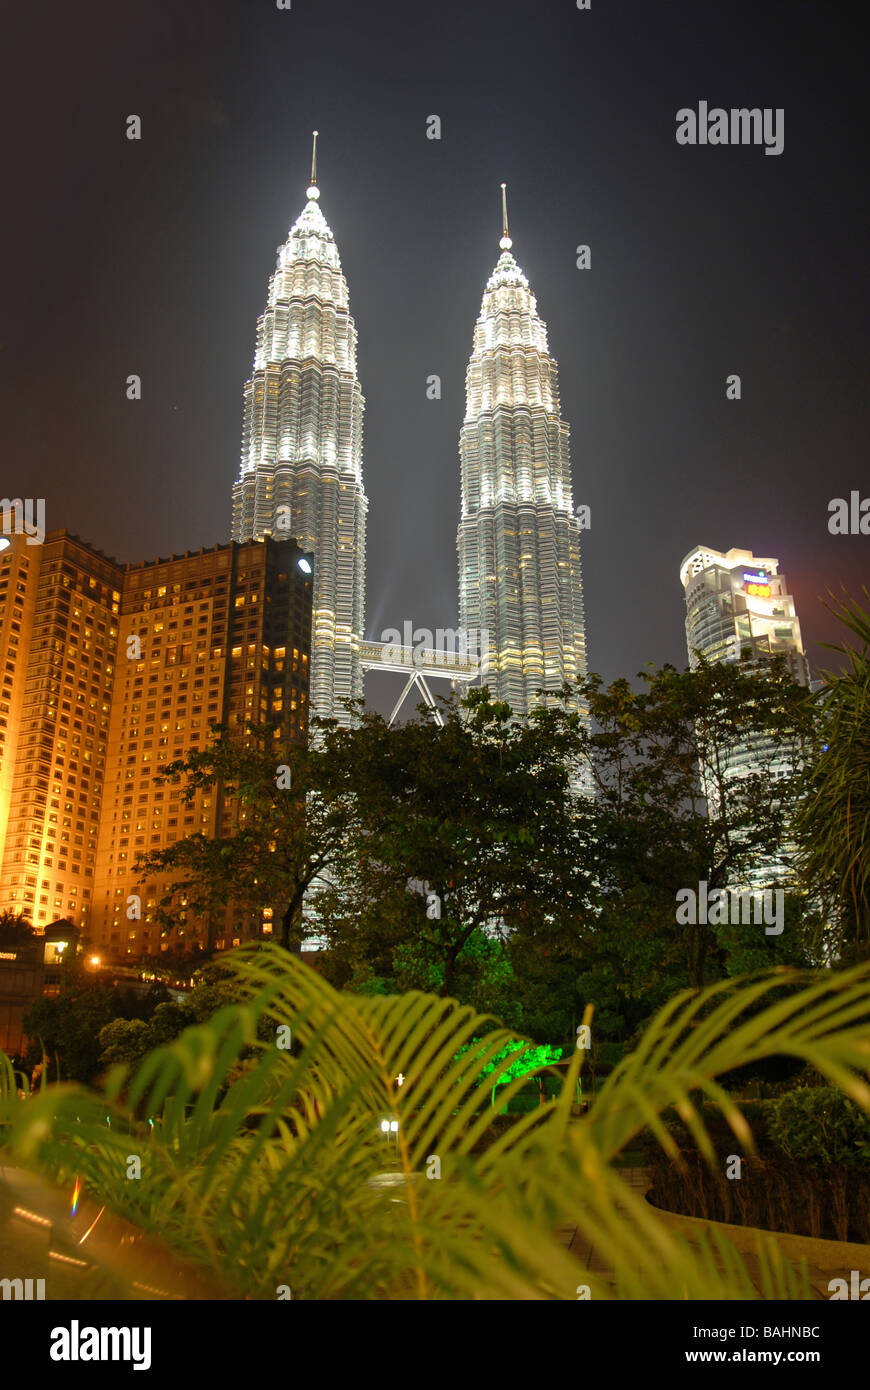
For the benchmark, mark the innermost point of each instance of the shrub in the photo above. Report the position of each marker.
(819, 1125)
(757, 1114)
(810, 1174)
(776, 1194)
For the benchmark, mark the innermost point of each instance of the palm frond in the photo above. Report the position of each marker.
(270, 1167)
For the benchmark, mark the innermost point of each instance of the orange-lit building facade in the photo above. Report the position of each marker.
(107, 673)
(59, 606)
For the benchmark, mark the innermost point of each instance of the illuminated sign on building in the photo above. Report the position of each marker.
(757, 584)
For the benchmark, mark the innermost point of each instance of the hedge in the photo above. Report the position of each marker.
(810, 1174)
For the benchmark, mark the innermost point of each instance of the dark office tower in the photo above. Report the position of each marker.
(223, 637)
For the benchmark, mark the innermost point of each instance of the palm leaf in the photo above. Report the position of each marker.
(263, 1163)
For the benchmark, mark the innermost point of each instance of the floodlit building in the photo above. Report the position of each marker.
(59, 606)
(738, 608)
(222, 637)
(739, 605)
(110, 671)
(302, 437)
(518, 539)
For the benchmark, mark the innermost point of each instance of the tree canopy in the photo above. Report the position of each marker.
(463, 860)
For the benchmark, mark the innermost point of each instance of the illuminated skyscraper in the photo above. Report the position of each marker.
(738, 608)
(738, 605)
(301, 463)
(518, 540)
(109, 672)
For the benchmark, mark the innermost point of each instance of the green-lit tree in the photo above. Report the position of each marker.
(512, 1062)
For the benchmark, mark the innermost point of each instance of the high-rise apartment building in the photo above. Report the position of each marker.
(302, 436)
(115, 670)
(59, 607)
(518, 539)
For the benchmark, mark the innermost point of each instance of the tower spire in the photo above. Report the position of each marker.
(313, 190)
(505, 242)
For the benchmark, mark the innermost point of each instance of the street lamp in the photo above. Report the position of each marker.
(389, 1127)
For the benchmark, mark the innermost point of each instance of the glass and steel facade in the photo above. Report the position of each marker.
(518, 540)
(302, 438)
(738, 608)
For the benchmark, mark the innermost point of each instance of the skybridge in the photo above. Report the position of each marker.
(416, 664)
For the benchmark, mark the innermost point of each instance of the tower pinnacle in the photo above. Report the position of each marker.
(313, 191)
(505, 242)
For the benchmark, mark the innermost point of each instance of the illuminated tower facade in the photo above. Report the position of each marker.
(108, 672)
(59, 612)
(301, 463)
(738, 608)
(518, 540)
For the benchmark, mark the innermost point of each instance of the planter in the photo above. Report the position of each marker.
(826, 1259)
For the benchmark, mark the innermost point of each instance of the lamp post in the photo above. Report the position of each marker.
(389, 1127)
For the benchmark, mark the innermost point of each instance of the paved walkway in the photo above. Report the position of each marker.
(639, 1180)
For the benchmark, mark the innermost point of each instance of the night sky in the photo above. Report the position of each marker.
(153, 257)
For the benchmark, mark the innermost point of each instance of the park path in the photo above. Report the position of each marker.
(572, 1238)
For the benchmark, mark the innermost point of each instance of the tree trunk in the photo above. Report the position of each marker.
(449, 970)
(293, 917)
(286, 924)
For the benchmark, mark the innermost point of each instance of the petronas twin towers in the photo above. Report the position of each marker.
(302, 432)
(301, 474)
(518, 541)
